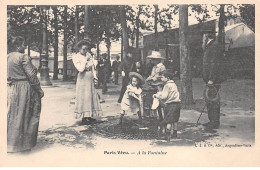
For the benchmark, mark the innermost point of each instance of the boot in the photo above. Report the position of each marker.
(140, 117)
(174, 134)
(159, 132)
(212, 125)
(121, 120)
(168, 135)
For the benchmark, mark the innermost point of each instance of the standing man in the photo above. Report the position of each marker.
(127, 66)
(148, 68)
(115, 67)
(158, 68)
(213, 76)
(103, 67)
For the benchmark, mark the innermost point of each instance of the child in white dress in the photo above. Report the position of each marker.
(132, 97)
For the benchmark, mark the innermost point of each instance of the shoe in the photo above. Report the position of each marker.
(174, 134)
(212, 125)
(102, 101)
(86, 121)
(205, 124)
(91, 119)
(168, 135)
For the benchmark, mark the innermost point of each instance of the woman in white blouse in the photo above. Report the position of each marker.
(87, 101)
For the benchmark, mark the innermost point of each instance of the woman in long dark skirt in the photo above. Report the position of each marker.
(24, 95)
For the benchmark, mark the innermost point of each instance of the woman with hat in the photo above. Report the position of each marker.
(87, 104)
(159, 68)
(24, 95)
(132, 96)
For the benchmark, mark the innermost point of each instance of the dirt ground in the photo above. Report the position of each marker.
(59, 130)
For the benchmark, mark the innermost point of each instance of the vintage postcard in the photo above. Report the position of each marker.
(137, 83)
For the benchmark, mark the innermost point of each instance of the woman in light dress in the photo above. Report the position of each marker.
(87, 104)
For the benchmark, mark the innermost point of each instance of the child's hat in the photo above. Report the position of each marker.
(137, 75)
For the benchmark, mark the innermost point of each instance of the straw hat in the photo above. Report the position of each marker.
(155, 55)
(134, 74)
(211, 94)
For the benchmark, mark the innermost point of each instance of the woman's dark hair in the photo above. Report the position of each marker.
(14, 42)
(139, 85)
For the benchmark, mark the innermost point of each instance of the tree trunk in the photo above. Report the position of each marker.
(155, 27)
(185, 74)
(65, 76)
(108, 44)
(221, 27)
(56, 46)
(86, 22)
(29, 42)
(124, 30)
(122, 48)
(138, 26)
(76, 28)
(98, 55)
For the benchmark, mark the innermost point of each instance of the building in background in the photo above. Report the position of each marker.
(240, 47)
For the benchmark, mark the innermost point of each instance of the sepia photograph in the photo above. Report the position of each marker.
(142, 80)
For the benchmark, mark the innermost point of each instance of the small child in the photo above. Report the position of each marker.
(172, 106)
(156, 102)
(132, 96)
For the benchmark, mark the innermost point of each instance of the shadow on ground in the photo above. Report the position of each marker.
(188, 134)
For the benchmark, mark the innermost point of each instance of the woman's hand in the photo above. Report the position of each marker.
(123, 74)
(130, 93)
(41, 93)
(154, 78)
(95, 81)
(88, 67)
(210, 82)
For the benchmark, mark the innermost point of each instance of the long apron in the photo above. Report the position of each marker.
(24, 108)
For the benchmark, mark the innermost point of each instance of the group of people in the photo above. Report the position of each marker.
(25, 93)
(167, 96)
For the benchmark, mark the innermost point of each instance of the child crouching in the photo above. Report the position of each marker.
(132, 96)
(172, 106)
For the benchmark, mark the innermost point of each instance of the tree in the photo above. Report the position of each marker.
(156, 9)
(86, 22)
(138, 24)
(185, 75)
(56, 42)
(65, 76)
(247, 12)
(124, 30)
(76, 26)
(25, 21)
(221, 27)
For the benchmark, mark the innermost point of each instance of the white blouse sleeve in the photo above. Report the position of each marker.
(79, 62)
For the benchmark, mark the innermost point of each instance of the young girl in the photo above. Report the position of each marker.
(132, 96)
